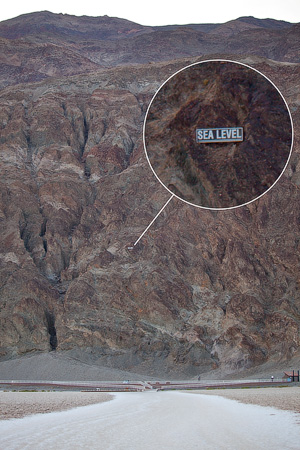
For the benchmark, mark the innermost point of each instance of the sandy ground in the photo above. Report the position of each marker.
(156, 420)
(81, 366)
(285, 398)
(60, 367)
(21, 404)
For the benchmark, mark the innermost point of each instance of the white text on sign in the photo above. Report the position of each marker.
(209, 135)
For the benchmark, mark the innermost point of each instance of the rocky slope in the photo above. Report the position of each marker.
(41, 45)
(202, 290)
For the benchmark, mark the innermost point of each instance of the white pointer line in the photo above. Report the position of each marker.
(153, 220)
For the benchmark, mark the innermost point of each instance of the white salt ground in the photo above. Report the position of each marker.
(156, 421)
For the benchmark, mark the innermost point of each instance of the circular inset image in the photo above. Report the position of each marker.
(218, 134)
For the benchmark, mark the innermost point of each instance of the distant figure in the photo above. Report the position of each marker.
(272, 378)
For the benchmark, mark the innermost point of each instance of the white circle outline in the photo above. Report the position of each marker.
(283, 170)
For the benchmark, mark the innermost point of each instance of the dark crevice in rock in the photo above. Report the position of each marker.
(25, 237)
(104, 121)
(64, 109)
(43, 228)
(22, 226)
(85, 134)
(24, 233)
(87, 170)
(45, 245)
(51, 330)
(25, 109)
(28, 161)
(30, 148)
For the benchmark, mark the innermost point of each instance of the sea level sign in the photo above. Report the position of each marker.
(209, 135)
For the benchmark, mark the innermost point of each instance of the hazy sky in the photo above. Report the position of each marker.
(160, 12)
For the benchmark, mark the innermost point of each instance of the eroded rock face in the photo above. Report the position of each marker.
(202, 290)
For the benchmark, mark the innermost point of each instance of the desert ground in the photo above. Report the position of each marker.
(21, 404)
(286, 398)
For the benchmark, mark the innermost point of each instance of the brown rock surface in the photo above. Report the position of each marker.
(201, 290)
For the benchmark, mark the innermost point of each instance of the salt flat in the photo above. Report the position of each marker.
(156, 420)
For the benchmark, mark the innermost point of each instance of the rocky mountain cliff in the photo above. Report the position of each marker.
(202, 290)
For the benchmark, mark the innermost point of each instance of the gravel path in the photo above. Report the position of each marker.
(21, 404)
(286, 398)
